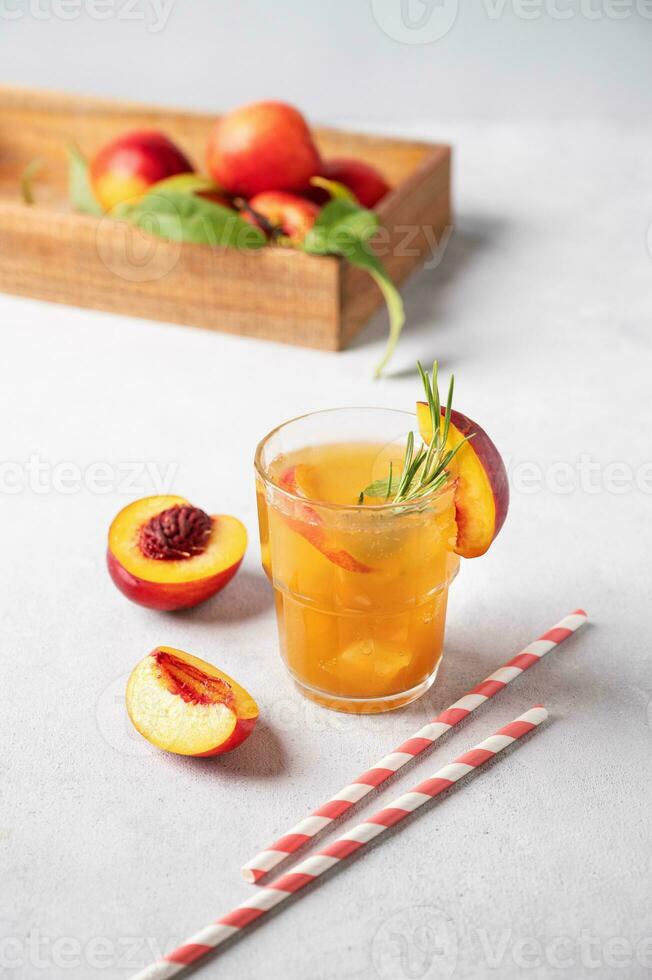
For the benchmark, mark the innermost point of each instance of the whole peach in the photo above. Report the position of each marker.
(265, 146)
(125, 168)
(367, 183)
(293, 216)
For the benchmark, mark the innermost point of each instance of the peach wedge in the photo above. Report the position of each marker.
(184, 705)
(166, 554)
(307, 522)
(482, 493)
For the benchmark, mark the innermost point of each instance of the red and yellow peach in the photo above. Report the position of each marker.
(366, 182)
(184, 705)
(126, 168)
(482, 489)
(166, 554)
(306, 521)
(266, 146)
(287, 214)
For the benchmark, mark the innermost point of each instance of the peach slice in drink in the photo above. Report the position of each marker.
(482, 488)
(305, 520)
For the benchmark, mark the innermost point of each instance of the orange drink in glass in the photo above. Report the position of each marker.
(361, 585)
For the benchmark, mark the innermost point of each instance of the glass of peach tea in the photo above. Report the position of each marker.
(362, 524)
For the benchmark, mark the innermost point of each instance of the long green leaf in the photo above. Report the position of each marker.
(344, 228)
(80, 191)
(434, 387)
(379, 488)
(190, 183)
(449, 406)
(184, 217)
(27, 180)
(427, 471)
(407, 462)
(335, 189)
(341, 227)
(365, 259)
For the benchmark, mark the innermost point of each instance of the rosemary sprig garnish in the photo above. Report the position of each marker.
(426, 470)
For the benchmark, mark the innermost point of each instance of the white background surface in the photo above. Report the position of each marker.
(541, 306)
(342, 59)
(111, 850)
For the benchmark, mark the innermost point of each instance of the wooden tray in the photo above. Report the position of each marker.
(49, 252)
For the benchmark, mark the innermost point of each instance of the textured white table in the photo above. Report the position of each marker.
(112, 850)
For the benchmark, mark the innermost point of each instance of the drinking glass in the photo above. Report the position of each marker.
(360, 591)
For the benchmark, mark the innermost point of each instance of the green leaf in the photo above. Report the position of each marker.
(183, 217)
(340, 228)
(436, 398)
(189, 183)
(79, 185)
(336, 190)
(426, 471)
(344, 228)
(407, 463)
(27, 179)
(379, 488)
(365, 259)
(449, 406)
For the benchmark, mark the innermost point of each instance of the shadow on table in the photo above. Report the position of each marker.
(248, 595)
(463, 667)
(261, 756)
(426, 294)
(463, 671)
(454, 840)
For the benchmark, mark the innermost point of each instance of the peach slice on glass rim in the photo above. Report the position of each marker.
(184, 705)
(482, 491)
(166, 554)
(307, 522)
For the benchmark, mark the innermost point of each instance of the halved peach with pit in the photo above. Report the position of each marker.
(306, 521)
(482, 491)
(166, 554)
(183, 704)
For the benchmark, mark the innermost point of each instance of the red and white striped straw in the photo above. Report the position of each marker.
(308, 828)
(268, 897)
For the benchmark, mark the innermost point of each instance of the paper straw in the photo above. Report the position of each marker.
(266, 898)
(339, 804)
